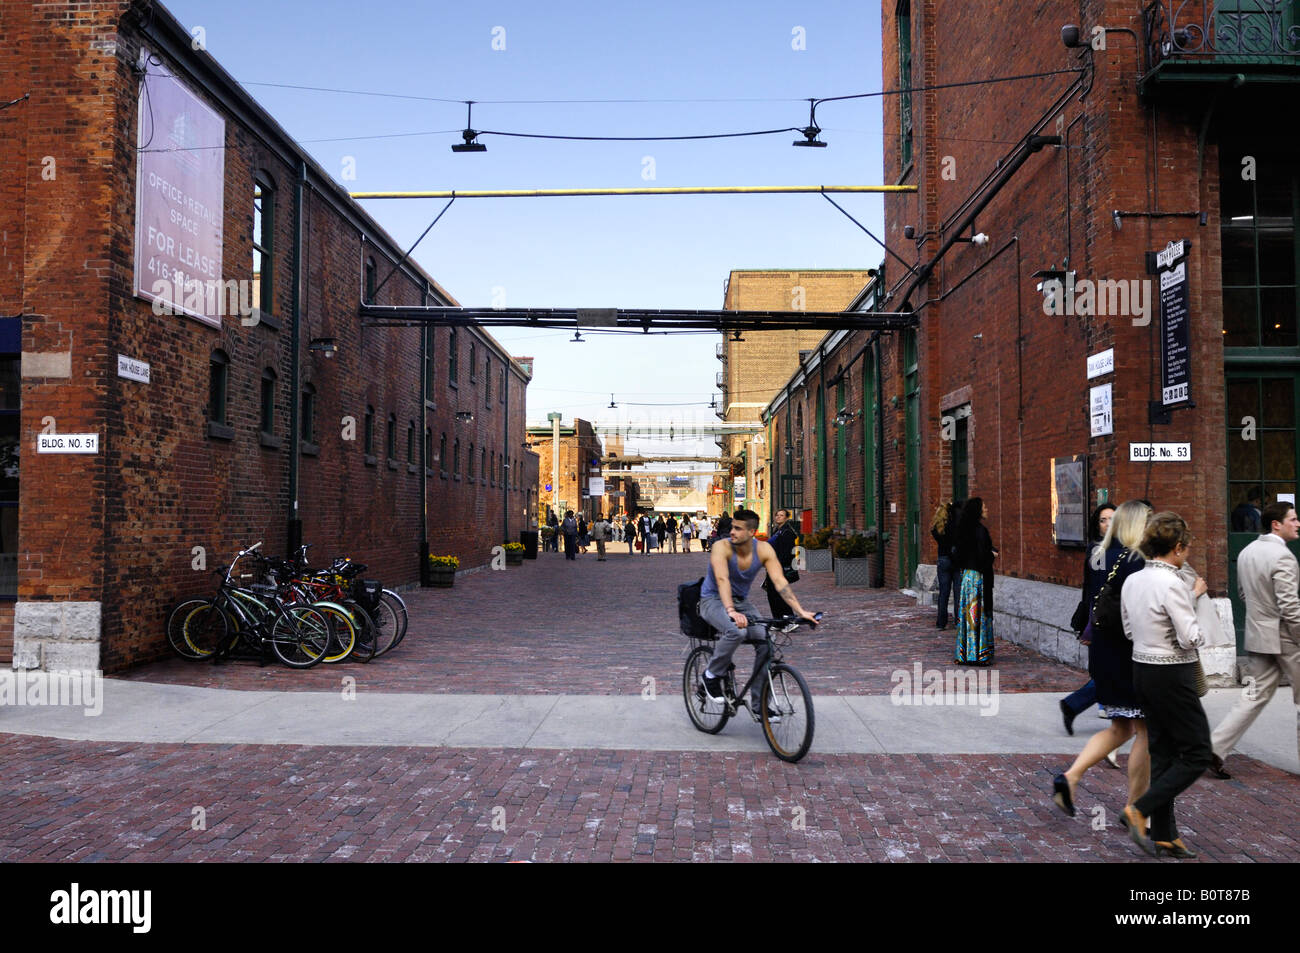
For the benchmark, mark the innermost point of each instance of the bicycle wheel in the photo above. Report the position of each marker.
(388, 626)
(399, 610)
(176, 627)
(300, 637)
(786, 694)
(343, 631)
(707, 715)
(367, 634)
(202, 632)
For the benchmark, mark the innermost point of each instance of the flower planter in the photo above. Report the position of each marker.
(853, 572)
(514, 558)
(440, 578)
(817, 560)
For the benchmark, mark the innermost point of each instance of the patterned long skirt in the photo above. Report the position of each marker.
(974, 622)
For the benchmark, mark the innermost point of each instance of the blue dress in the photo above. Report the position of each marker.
(975, 600)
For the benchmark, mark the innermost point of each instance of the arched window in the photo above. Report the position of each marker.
(442, 455)
(308, 422)
(369, 433)
(455, 458)
(391, 444)
(482, 465)
(470, 462)
(263, 241)
(453, 345)
(410, 441)
(218, 379)
(372, 278)
(268, 401)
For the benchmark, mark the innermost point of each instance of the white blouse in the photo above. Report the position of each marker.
(1159, 616)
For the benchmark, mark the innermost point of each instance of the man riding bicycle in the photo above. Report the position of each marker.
(733, 565)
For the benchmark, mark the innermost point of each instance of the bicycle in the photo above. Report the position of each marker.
(300, 635)
(785, 705)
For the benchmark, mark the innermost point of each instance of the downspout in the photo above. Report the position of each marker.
(505, 488)
(295, 364)
(880, 465)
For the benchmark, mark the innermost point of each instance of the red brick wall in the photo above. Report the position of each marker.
(121, 527)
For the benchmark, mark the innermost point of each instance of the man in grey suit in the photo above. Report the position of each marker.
(1269, 579)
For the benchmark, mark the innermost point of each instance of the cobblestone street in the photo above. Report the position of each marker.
(597, 629)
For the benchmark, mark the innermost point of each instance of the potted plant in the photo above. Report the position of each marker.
(853, 558)
(514, 554)
(442, 571)
(817, 555)
(548, 534)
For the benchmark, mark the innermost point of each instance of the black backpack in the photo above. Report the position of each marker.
(688, 611)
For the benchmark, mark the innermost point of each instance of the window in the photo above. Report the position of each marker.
(455, 458)
(218, 376)
(1259, 257)
(487, 382)
(470, 462)
(369, 434)
(493, 471)
(372, 278)
(428, 448)
(263, 241)
(391, 445)
(442, 455)
(452, 345)
(308, 422)
(473, 358)
(501, 393)
(268, 401)
(904, 17)
(482, 465)
(428, 362)
(410, 441)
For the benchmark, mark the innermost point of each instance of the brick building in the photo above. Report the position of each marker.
(579, 460)
(755, 366)
(183, 284)
(1100, 260)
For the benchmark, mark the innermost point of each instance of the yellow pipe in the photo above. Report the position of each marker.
(685, 190)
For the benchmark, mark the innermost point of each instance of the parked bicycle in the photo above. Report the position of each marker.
(785, 708)
(258, 616)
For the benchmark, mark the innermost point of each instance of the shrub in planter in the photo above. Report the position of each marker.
(852, 558)
(817, 557)
(442, 571)
(514, 554)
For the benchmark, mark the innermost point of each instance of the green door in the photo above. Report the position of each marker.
(823, 505)
(1263, 406)
(910, 551)
(841, 460)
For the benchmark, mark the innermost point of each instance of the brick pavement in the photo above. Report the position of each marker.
(94, 801)
(551, 627)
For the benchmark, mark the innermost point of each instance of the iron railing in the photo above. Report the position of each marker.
(1227, 31)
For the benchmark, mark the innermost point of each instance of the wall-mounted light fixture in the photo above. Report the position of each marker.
(325, 346)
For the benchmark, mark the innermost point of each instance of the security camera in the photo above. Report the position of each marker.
(1070, 36)
(909, 231)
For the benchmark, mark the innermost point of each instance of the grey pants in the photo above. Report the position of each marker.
(730, 638)
(1266, 672)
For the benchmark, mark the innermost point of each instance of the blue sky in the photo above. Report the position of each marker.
(652, 252)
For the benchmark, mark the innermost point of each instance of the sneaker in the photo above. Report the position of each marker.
(773, 716)
(713, 689)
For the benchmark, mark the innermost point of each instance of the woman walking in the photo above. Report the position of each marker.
(974, 555)
(1110, 663)
(944, 530)
(570, 530)
(687, 530)
(584, 534)
(1160, 618)
(1076, 703)
(629, 534)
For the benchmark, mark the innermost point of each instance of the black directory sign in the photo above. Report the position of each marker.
(1175, 325)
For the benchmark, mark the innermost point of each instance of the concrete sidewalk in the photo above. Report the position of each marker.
(1019, 723)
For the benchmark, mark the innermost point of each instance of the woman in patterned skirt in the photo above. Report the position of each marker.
(973, 556)
(1110, 663)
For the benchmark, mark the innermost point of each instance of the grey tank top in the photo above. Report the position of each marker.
(740, 581)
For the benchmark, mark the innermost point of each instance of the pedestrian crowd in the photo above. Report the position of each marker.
(1144, 615)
